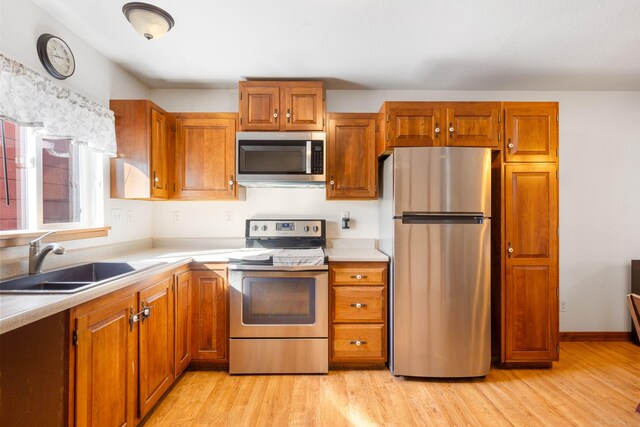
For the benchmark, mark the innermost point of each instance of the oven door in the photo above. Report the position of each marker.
(278, 304)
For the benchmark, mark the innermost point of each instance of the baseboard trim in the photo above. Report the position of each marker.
(595, 336)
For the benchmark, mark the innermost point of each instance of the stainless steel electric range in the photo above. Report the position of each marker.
(279, 299)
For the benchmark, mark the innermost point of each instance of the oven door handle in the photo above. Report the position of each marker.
(240, 267)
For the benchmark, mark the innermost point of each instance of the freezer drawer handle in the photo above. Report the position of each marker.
(358, 305)
(359, 276)
(358, 343)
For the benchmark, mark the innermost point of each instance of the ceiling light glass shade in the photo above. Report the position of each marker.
(148, 20)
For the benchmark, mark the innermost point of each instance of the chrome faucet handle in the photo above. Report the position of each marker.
(36, 242)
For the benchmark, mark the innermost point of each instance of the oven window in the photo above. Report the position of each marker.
(259, 158)
(278, 301)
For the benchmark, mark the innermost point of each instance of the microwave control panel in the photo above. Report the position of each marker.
(317, 157)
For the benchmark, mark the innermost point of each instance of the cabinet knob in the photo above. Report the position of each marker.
(275, 114)
(437, 130)
(509, 249)
(358, 305)
(332, 183)
(359, 276)
(358, 343)
(288, 115)
(510, 144)
(451, 129)
(231, 182)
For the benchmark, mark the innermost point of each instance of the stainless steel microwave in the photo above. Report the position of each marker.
(280, 159)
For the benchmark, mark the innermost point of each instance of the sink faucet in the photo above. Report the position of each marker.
(36, 255)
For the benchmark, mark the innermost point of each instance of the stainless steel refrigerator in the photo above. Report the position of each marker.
(435, 224)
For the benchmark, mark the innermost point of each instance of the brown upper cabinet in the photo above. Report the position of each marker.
(281, 105)
(473, 124)
(531, 131)
(433, 124)
(205, 148)
(351, 161)
(140, 169)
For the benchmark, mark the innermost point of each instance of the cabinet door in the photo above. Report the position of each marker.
(205, 158)
(302, 108)
(259, 107)
(210, 335)
(156, 343)
(531, 131)
(159, 174)
(415, 125)
(141, 133)
(351, 161)
(472, 124)
(531, 280)
(106, 365)
(184, 318)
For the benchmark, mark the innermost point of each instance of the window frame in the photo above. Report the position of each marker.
(90, 176)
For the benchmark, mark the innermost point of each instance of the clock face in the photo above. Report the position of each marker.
(56, 56)
(60, 57)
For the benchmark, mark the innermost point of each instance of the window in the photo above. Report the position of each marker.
(48, 183)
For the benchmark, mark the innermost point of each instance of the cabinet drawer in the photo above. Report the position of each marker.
(354, 274)
(358, 303)
(345, 339)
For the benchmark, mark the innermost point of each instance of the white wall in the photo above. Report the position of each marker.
(96, 77)
(599, 192)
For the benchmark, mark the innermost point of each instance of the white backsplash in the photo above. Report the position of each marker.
(226, 219)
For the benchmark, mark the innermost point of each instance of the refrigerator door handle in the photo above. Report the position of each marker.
(443, 218)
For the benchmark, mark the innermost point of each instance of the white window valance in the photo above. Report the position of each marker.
(30, 99)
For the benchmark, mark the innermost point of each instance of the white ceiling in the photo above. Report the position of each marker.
(375, 44)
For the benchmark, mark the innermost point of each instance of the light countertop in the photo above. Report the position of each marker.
(19, 310)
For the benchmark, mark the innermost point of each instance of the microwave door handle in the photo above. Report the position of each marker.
(308, 157)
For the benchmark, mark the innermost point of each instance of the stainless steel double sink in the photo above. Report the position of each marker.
(72, 279)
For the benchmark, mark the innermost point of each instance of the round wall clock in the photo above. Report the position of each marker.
(56, 56)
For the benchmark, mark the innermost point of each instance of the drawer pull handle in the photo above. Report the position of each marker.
(358, 305)
(358, 343)
(359, 276)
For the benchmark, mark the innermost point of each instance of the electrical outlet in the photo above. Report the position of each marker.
(345, 220)
(129, 217)
(116, 215)
(177, 217)
(563, 306)
(228, 216)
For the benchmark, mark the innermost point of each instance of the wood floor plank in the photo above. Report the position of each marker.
(596, 383)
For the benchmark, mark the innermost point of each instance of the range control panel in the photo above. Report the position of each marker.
(277, 228)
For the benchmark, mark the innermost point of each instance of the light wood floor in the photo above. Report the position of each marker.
(593, 384)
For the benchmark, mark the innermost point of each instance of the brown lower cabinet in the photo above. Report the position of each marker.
(210, 333)
(531, 264)
(184, 320)
(358, 301)
(123, 352)
(106, 361)
(156, 340)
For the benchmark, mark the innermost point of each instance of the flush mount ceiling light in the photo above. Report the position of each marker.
(148, 20)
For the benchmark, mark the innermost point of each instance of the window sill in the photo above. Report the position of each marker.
(21, 238)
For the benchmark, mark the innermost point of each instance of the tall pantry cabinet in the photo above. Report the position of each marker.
(529, 244)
